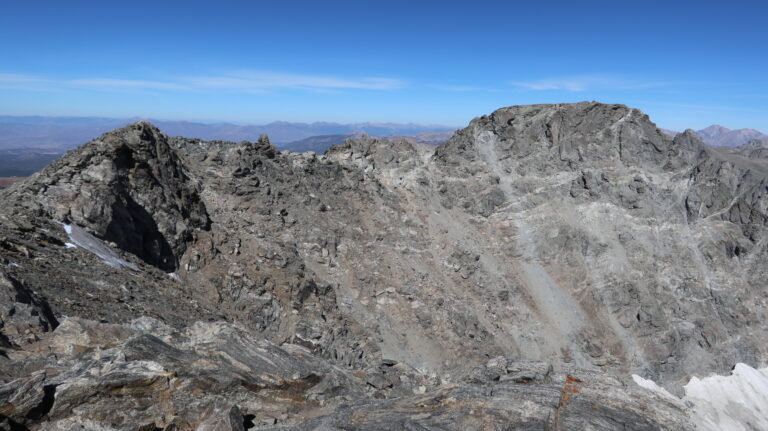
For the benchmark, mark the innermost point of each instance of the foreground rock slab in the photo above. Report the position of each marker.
(215, 376)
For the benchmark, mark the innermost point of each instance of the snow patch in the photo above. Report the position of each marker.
(724, 403)
(69, 245)
(651, 385)
(174, 276)
(81, 238)
(738, 402)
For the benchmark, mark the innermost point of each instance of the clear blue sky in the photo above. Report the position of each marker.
(685, 63)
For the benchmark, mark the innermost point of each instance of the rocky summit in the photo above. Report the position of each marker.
(515, 277)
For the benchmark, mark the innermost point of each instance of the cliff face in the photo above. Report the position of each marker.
(574, 235)
(645, 240)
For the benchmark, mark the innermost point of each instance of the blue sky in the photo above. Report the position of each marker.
(686, 64)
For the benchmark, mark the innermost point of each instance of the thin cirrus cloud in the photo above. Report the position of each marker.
(467, 88)
(244, 81)
(23, 82)
(255, 81)
(583, 83)
(125, 84)
(11, 78)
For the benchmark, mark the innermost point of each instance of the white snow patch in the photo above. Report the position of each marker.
(174, 276)
(69, 245)
(650, 384)
(738, 402)
(14, 264)
(83, 239)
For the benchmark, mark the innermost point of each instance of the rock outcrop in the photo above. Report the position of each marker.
(23, 316)
(215, 376)
(754, 149)
(127, 187)
(577, 236)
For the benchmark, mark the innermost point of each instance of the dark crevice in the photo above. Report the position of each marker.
(11, 424)
(42, 409)
(248, 421)
(25, 296)
(124, 158)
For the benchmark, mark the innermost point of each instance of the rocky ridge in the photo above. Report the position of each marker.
(716, 135)
(754, 149)
(719, 136)
(574, 244)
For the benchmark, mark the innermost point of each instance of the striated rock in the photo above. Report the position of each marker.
(207, 377)
(563, 402)
(211, 376)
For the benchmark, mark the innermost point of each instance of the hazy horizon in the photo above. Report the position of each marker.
(426, 127)
(218, 122)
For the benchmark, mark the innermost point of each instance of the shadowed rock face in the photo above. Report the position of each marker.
(127, 187)
(23, 315)
(575, 235)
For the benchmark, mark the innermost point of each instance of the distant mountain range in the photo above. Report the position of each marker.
(719, 136)
(63, 133)
(321, 143)
(29, 143)
(318, 144)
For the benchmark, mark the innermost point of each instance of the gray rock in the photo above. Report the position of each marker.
(23, 315)
(576, 235)
(213, 377)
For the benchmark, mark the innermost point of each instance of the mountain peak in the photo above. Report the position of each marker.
(99, 185)
(144, 128)
(715, 128)
(560, 136)
(719, 136)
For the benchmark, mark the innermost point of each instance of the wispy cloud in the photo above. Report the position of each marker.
(259, 81)
(15, 81)
(239, 81)
(14, 78)
(584, 83)
(125, 84)
(462, 88)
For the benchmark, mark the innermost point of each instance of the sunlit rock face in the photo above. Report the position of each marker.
(577, 236)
